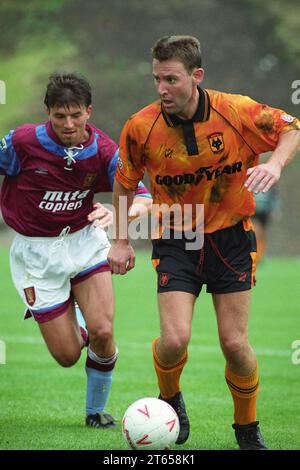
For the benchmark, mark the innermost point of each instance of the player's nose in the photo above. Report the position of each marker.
(69, 124)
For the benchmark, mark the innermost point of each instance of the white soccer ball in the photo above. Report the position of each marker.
(150, 423)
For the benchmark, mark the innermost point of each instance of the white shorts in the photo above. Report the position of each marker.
(44, 269)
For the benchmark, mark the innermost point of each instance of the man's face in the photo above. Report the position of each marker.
(177, 88)
(69, 123)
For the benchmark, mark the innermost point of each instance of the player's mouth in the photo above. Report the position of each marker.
(69, 133)
(168, 104)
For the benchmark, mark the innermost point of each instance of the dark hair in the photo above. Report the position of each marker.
(187, 49)
(65, 89)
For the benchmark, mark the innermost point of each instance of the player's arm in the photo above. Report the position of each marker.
(129, 172)
(262, 177)
(141, 206)
(121, 255)
(9, 160)
(142, 203)
(266, 129)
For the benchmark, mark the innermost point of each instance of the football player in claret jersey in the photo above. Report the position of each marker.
(59, 255)
(201, 146)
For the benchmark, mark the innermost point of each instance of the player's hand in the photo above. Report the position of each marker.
(101, 214)
(121, 257)
(262, 177)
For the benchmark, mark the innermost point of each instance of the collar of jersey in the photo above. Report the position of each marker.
(202, 113)
(53, 147)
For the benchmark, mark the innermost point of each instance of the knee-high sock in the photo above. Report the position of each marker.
(244, 391)
(99, 371)
(168, 376)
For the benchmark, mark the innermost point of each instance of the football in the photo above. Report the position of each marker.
(150, 423)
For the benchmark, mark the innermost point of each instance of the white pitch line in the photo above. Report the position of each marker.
(211, 349)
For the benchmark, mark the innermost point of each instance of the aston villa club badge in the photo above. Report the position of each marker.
(163, 279)
(89, 180)
(30, 295)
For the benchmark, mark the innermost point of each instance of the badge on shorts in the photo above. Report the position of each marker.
(30, 295)
(163, 279)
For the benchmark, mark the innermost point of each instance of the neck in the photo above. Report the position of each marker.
(191, 107)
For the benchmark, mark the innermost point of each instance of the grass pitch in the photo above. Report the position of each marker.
(42, 404)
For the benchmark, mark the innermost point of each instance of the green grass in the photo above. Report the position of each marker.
(42, 404)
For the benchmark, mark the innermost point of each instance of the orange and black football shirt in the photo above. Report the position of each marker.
(203, 160)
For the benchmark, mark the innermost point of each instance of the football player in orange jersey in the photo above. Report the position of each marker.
(202, 146)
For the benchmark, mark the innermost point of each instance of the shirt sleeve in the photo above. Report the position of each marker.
(261, 125)
(141, 189)
(9, 160)
(130, 168)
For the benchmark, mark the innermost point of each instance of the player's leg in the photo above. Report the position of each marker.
(41, 277)
(96, 301)
(170, 351)
(63, 337)
(232, 252)
(241, 364)
(177, 286)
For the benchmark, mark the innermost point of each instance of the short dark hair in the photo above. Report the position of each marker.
(187, 49)
(64, 89)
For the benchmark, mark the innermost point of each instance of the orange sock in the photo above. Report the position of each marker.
(244, 390)
(168, 376)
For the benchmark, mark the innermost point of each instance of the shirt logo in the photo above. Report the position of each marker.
(120, 163)
(3, 145)
(287, 118)
(169, 153)
(58, 201)
(89, 180)
(216, 142)
(41, 171)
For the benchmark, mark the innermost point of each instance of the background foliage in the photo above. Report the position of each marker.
(249, 47)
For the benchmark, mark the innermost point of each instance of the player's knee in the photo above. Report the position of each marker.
(233, 346)
(67, 358)
(175, 345)
(102, 334)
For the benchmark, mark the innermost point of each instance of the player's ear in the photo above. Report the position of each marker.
(89, 110)
(198, 75)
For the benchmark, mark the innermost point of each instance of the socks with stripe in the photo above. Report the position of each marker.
(244, 391)
(168, 376)
(99, 371)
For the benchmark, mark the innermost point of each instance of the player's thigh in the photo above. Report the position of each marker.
(176, 312)
(62, 337)
(95, 298)
(232, 310)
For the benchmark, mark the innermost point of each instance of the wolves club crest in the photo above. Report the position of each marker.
(216, 142)
(163, 279)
